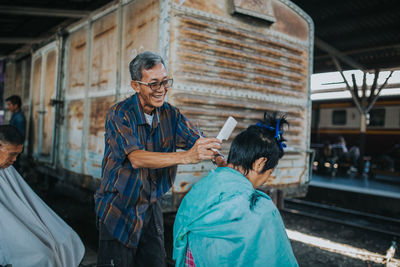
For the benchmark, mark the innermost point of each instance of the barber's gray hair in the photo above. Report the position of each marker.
(145, 60)
(10, 135)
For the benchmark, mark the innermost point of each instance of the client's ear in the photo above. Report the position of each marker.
(258, 165)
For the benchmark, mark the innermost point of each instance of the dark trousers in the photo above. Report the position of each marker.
(150, 251)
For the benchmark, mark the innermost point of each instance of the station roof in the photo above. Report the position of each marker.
(363, 33)
(26, 23)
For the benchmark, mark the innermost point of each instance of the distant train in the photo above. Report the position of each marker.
(334, 118)
(227, 58)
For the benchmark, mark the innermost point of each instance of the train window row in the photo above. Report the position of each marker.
(376, 117)
(339, 117)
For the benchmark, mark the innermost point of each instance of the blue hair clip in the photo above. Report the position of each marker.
(265, 126)
(278, 135)
(277, 132)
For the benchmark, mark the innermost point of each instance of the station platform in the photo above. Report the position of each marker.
(383, 187)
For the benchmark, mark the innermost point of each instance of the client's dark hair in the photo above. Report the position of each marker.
(260, 140)
(10, 135)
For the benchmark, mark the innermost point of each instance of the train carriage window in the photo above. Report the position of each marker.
(377, 117)
(339, 117)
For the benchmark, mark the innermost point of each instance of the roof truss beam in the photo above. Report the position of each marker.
(6, 40)
(48, 12)
(336, 53)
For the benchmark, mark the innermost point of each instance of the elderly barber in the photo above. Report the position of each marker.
(140, 164)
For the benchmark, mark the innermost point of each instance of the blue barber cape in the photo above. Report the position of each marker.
(228, 223)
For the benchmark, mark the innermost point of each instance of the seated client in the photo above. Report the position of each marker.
(224, 220)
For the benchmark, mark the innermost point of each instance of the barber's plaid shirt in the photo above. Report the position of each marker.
(125, 193)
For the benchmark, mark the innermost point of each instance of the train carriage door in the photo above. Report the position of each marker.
(43, 90)
(90, 90)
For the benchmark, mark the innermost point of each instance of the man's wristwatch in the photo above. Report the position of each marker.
(216, 155)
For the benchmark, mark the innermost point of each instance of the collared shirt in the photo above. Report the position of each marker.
(125, 192)
(189, 261)
(18, 121)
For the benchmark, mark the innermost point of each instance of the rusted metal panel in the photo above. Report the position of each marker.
(261, 9)
(26, 72)
(102, 82)
(48, 110)
(295, 26)
(222, 64)
(75, 91)
(98, 111)
(219, 8)
(104, 54)
(73, 136)
(140, 33)
(76, 63)
(224, 67)
(10, 77)
(43, 84)
(35, 91)
(95, 149)
(9, 85)
(189, 174)
(25, 96)
(18, 78)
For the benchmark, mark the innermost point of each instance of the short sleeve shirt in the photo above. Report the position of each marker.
(125, 192)
(18, 121)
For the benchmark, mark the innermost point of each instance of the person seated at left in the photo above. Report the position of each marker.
(31, 234)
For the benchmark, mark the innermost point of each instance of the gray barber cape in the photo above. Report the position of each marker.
(31, 234)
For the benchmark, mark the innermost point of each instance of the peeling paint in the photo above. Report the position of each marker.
(77, 63)
(104, 54)
(209, 52)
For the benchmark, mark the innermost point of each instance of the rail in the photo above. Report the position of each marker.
(363, 220)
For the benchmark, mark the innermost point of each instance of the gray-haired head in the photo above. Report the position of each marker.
(10, 135)
(146, 60)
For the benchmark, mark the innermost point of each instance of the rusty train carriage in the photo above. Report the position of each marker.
(226, 57)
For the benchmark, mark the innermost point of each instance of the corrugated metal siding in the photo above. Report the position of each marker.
(224, 68)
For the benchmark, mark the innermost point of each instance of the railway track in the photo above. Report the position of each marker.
(367, 221)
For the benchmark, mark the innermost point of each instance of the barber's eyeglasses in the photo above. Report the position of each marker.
(157, 85)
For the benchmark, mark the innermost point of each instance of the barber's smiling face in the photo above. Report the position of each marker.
(148, 98)
(8, 154)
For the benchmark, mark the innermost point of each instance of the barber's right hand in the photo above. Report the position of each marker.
(201, 150)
